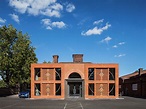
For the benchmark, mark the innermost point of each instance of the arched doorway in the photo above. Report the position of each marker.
(74, 75)
(74, 85)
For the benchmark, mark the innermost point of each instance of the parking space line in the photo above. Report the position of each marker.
(65, 106)
(81, 105)
(73, 105)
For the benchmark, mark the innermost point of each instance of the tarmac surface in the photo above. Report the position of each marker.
(13, 102)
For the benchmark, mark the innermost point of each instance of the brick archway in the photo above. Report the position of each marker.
(74, 71)
(74, 75)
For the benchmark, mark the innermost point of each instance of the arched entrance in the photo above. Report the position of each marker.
(74, 75)
(74, 85)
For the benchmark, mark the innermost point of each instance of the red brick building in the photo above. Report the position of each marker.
(133, 84)
(63, 80)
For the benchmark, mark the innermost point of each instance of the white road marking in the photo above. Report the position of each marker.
(81, 105)
(65, 106)
(72, 105)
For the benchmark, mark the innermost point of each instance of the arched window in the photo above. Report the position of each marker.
(74, 75)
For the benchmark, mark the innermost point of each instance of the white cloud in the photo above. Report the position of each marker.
(15, 17)
(106, 26)
(121, 43)
(48, 28)
(115, 46)
(107, 39)
(93, 31)
(37, 7)
(2, 20)
(53, 10)
(20, 5)
(120, 55)
(51, 13)
(96, 30)
(49, 24)
(58, 24)
(97, 22)
(46, 21)
(70, 7)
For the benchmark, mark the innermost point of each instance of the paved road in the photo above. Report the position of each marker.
(126, 103)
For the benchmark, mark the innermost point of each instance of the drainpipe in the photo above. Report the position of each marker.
(139, 72)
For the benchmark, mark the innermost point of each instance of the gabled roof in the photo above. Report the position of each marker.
(136, 73)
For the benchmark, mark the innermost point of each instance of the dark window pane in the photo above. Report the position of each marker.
(37, 73)
(37, 89)
(91, 89)
(91, 73)
(112, 74)
(58, 73)
(58, 89)
(112, 89)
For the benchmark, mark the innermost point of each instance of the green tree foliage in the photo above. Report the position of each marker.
(16, 55)
(2, 84)
(45, 62)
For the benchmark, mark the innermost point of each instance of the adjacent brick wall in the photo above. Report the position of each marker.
(137, 78)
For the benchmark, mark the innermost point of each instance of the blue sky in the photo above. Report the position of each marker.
(105, 31)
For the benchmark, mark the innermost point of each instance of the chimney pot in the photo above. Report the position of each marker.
(77, 58)
(140, 71)
(55, 58)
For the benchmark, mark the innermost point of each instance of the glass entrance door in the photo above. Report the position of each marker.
(75, 88)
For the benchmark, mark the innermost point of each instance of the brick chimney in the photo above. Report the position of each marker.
(55, 58)
(77, 58)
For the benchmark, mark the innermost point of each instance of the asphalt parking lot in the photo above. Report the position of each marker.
(20, 103)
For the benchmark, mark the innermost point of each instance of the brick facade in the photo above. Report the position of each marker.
(74, 79)
(133, 84)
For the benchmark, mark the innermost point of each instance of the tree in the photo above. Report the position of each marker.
(2, 83)
(16, 56)
(46, 62)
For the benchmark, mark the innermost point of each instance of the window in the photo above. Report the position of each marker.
(112, 74)
(112, 89)
(58, 73)
(91, 89)
(37, 73)
(91, 73)
(134, 86)
(37, 89)
(58, 89)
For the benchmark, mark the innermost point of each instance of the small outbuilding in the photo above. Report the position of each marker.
(133, 84)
